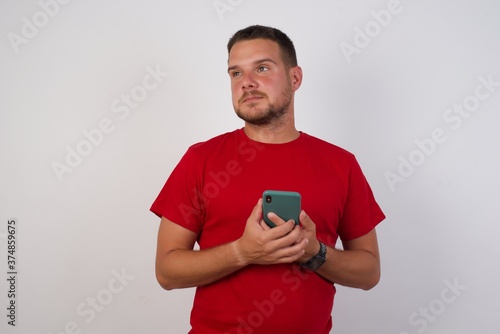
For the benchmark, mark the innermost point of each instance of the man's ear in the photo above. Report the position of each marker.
(296, 77)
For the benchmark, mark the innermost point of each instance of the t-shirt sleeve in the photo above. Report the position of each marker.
(361, 213)
(180, 200)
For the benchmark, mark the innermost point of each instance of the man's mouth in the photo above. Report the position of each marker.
(251, 97)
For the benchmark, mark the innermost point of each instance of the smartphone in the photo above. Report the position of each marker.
(286, 204)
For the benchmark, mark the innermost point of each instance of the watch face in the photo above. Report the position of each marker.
(316, 261)
(322, 250)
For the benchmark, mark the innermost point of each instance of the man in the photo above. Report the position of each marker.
(251, 278)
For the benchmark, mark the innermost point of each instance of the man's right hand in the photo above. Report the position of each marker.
(261, 244)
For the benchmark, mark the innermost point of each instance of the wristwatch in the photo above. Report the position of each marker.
(317, 260)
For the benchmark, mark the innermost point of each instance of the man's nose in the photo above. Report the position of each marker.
(249, 82)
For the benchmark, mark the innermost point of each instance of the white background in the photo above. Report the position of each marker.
(80, 229)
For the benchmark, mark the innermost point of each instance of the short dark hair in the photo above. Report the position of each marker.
(285, 44)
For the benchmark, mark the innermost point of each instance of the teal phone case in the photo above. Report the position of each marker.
(286, 204)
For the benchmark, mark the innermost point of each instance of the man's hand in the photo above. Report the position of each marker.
(309, 232)
(261, 244)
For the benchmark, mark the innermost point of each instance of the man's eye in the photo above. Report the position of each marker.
(235, 74)
(262, 69)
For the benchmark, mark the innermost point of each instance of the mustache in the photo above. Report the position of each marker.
(251, 93)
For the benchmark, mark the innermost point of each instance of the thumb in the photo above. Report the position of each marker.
(306, 222)
(257, 211)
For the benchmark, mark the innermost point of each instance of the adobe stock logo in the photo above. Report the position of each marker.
(363, 36)
(31, 27)
(122, 107)
(292, 280)
(98, 302)
(428, 314)
(223, 6)
(452, 117)
(217, 180)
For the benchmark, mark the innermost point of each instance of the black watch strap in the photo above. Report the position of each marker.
(317, 260)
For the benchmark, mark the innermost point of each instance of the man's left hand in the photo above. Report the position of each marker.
(309, 230)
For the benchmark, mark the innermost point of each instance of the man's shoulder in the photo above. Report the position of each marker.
(213, 142)
(321, 145)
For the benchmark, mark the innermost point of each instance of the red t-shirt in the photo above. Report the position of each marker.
(212, 192)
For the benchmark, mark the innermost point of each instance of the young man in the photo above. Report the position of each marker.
(251, 278)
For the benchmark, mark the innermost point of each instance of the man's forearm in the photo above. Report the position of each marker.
(353, 268)
(184, 268)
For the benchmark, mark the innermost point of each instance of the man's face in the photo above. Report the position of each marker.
(260, 83)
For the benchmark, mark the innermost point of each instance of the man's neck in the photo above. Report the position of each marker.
(271, 134)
